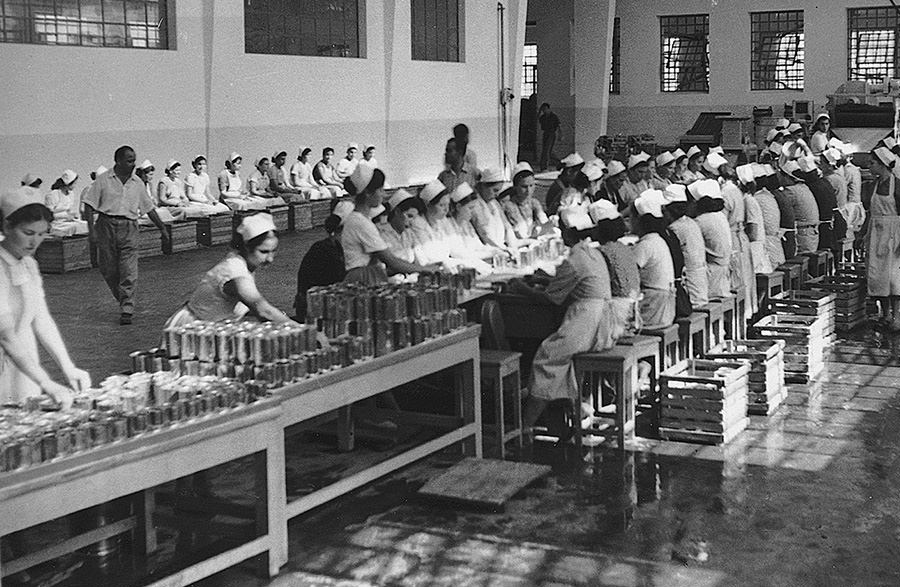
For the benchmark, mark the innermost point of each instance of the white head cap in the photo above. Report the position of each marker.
(145, 165)
(495, 174)
(68, 176)
(771, 135)
(713, 162)
(376, 211)
(343, 209)
(745, 173)
(234, 156)
(775, 148)
(782, 123)
(593, 171)
(679, 153)
(885, 156)
(889, 142)
(603, 210)
(172, 164)
(791, 166)
(832, 155)
(255, 225)
(575, 217)
(694, 150)
(706, 188)
(821, 115)
(650, 202)
(353, 146)
(399, 197)
(717, 149)
(19, 198)
(807, 164)
(571, 160)
(635, 160)
(432, 190)
(462, 191)
(794, 127)
(615, 168)
(675, 192)
(30, 178)
(664, 158)
(759, 170)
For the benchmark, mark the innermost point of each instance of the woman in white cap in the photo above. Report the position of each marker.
(369, 156)
(302, 177)
(323, 263)
(713, 223)
(664, 173)
(637, 179)
(803, 203)
(25, 319)
(582, 284)
(441, 242)
(821, 127)
(654, 261)
(578, 193)
(170, 189)
(883, 238)
(323, 174)
(197, 182)
(625, 279)
(348, 163)
(770, 214)
(465, 245)
(62, 200)
(404, 209)
(232, 190)
(679, 175)
(569, 167)
(488, 217)
(694, 171)
(228, 290)
(523, 211)
(754, 224)
(366, 255)
(693, 248)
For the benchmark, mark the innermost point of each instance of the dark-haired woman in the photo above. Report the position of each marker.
(365, 253)
(228, 290)
(690, 240)
(302, 177)
(710, 216)
(232, 189)
(654, 260)
(403, 210)
(323, 264)
(625, 279)
(25, 319)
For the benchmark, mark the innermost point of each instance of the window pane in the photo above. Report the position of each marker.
(872, 47)
(302, 27)
(614, 69)
(436, 30)
(684, 61)
(777, 50)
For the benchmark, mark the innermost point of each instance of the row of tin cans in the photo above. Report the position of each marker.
(243, 342)
(350, 302)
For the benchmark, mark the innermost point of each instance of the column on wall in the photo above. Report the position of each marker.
(591, 47)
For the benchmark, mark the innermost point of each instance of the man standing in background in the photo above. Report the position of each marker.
(550, 134)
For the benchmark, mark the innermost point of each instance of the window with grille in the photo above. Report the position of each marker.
(614, 59)
(684, 63)
(328, 28)
(529, 71)
(437, 30)
(872, 43)
(776, 50)
(95, 23)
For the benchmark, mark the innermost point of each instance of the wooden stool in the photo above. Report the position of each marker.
(300, 216)
(692, 335)
(846, 251)
(618, 364)
(792, 275)
(184, 236)
(803, 261)
(729, 313)
(669, 345)
(768, 285)
(739, 321)
(60, 255)
(496, 366)
(818, 263)
(715, 324)
(648, 348)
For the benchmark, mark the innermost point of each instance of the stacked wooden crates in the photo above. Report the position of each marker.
(214, 230)
(703, 401)
(184, 235)
(850, 300)
(300, 217)
(804, 320)
(765, 386)
(319, 211)
(60, 255)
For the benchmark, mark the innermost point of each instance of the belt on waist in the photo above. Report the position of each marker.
(114, 217)
(799, 226)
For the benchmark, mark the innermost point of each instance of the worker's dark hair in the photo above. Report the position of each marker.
(333, 223)
(375, 183)
(461, 130)
(707, 204)
(326, 150)
(581, 182)
(30, 213)
(120, 152)
(609, 230)
(406, 205)
(521, 175)
(306, 151)
(545, 104)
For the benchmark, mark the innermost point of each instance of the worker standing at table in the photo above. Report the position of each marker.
(120, 197)
(581, 282)
(25, 319)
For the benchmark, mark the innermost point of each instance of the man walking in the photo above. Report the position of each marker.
(119, 198)
(550, 134)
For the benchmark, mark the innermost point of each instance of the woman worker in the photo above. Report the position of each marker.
(654, 261)
(365, 253)
(323, 263)
(403, 210)
(690, 239)
(25, 319)
(62, 201)
(228, 290)
(581, 282)
(716, 235)
(883, 261)
(525, 213)
(487, 215)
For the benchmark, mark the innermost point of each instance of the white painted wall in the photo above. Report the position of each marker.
(70, 107)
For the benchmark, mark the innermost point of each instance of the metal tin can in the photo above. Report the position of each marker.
(12, 453)
(172, 339)
(81, 439)
(224, 344)
(188, 343)
(64, 440)
(99, 432)
(119, 428)
(242, 351)
(156, 415)
(137, 361)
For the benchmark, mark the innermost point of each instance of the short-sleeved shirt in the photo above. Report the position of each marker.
(303, 173)
(360, 239)
(260, 180)
(489, 221)
(583, 275)
(233, 181)
(108, 195)
(395, 242)
(523, 217)
(209, 300)
(22, 292)
(854, 182)
(197, 186)
(549, 122)
(806, 209)
(451, 179)
(690, 237)
(654, 262)
(345, 167)
(64, 206)
(625, 281)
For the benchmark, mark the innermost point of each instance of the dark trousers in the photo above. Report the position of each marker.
(548, 140)
(789, 244)
(117, 244)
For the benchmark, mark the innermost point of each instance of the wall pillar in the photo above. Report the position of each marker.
(591, 48)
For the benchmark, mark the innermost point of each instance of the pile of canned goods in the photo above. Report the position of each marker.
(546, 248)
(123, 407)
(389, 317)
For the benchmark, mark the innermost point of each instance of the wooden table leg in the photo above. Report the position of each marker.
(346, 431)
(145, 533)
(468, 393)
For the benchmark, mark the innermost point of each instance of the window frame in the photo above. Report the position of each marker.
(670, 24)
(762, 25)
(85, 25)
(435, 20)
(615, 58)
(306, 23)
(529, 68)
(873, 14)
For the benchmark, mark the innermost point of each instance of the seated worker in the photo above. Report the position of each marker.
(280, 180)
(197, 188)
(228, 290)
(369, 156)
(403, 210)
(170, 193)
(488, 218)
(366, 255)
(681, 166)
(66, 206)
(258, 184)
(323, 174)
(710, 216)
(654, 261)
(594, 171)
(693, 248)
(231, 187)
(664, 170)
(323, 263)
(347, 164)
(637, 180)
(569, 166)
(465, 243)
(523, 211)
(612, 182)
(302, 177)
(582, 283)
(694, 168)
(578, 192)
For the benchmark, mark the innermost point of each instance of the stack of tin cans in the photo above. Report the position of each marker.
(122, 407)
(545, 249)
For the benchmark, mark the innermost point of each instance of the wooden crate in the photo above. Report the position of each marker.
(850, 299)
(805, 340)
(214, 230)
(61, 255)
(300, 217)
(704, 401)
(319, 211)
(857, 270)
(149, 242)
(280, 215)
(765, 385)
(184, 235)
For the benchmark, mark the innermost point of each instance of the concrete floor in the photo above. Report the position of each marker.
(810, 496)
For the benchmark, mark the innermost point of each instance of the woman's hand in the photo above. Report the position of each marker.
(60, 393)
(79, 379)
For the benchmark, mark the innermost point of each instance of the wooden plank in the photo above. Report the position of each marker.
(485, 482)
